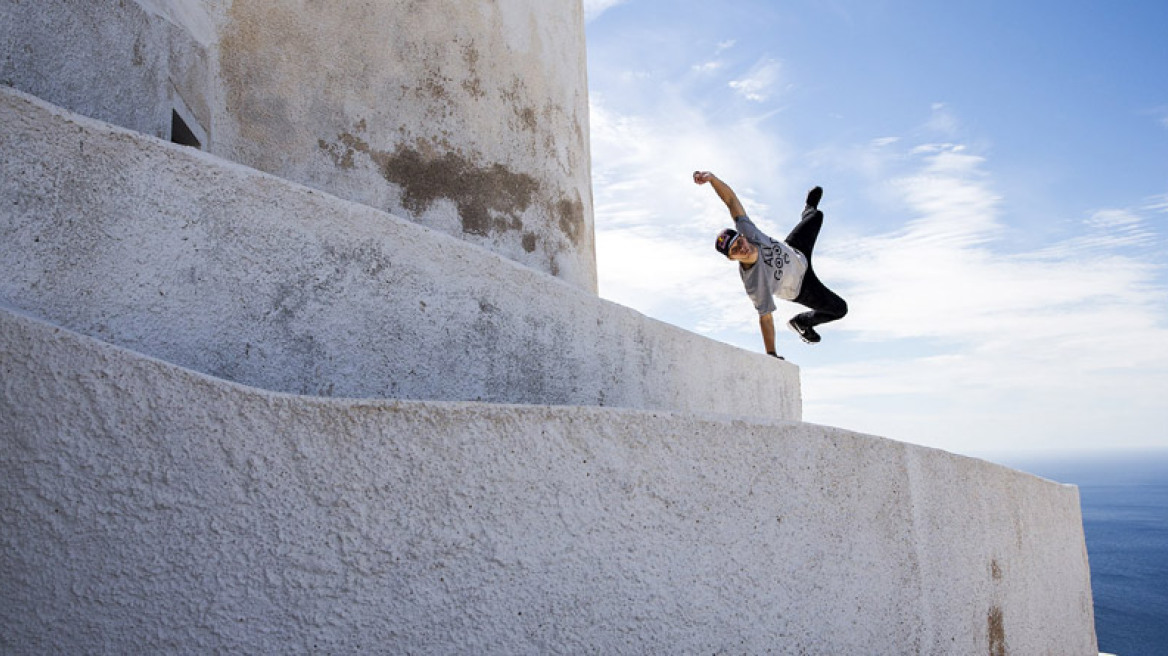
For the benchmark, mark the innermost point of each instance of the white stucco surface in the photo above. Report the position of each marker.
(147, 508)
(471, 118)
(130, 63)
(468, 118)
(226, 270)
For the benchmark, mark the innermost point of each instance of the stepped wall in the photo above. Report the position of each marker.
(148, 508)
(469, 118)
(226, 270)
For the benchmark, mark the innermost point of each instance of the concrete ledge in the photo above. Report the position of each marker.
(229, 271)
(148, 508)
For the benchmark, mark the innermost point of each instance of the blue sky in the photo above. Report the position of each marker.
(996, 203)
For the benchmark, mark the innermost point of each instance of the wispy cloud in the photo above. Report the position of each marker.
(1159, 114)
(984, 327)
(654, 227)
(758, 84)
(1158, 204)
(1003, 329)
(963, 327)
(715, 64)
(943, 121)
(594, 8)
(950, 274)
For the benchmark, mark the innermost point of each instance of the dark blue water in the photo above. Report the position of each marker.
(1125, 521)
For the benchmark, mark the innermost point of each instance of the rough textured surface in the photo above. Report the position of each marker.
(150, 509)
(225, 270)
(133, 64)
(468, 118)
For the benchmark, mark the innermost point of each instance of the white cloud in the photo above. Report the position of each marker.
(758, 83)
(594, 8)
(1113, 218)
(1157, 204)
(1159, 114)
(943, 121)
(963, 334)
(957, 335)
(948, 274)
(714, 64)
(1065, 340)
(655, 227)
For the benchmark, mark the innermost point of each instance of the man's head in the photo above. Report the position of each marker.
(734, 246)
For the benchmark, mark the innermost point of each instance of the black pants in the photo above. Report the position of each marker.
(825, 304)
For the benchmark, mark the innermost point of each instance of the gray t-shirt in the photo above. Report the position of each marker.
(778, 271)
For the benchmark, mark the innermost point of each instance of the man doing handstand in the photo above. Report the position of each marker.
(770, 267)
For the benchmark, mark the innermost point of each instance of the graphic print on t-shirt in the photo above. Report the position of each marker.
(774, 257)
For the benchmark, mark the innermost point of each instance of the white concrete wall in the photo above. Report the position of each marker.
(129, 63)
(225, 270)
(149, 509)
(467, 117)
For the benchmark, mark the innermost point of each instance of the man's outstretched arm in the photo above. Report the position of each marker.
(767, 323)
(723, 190)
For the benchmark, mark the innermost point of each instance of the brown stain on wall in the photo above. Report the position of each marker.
(490, 197)
(527, 118)
(571, 217)
(997, 632)
(473, 84)
(342, 157)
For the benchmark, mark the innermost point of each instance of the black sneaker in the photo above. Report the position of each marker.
(806, 333)
(814, 196)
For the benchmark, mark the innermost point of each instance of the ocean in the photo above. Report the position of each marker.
(1124, 498)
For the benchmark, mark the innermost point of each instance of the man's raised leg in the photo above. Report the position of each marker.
(802, 237)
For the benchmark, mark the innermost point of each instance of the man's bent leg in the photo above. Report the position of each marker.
(825, 304)
(802, 237)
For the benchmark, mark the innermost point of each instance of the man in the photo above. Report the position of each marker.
(772, 268)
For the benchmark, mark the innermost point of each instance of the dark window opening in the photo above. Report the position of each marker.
(180, 133)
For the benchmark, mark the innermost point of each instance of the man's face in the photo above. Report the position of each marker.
(741, 249)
